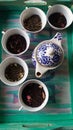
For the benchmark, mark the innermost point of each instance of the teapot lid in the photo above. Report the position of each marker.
(49, 54)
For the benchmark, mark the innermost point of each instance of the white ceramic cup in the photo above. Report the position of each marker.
(26, 107)
(11, 32)
(8, 61)
(59, 8)
(31, 11)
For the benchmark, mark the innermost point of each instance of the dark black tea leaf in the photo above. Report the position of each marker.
(57, 20)
(33, 95)
(16, 44)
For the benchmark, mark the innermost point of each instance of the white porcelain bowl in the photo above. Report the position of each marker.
(11, 32)
(8, 61)
(28, 108)
(59, 8)
(31, 11)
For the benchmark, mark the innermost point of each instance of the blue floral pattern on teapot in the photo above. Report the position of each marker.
(48, 55)
(49, 60)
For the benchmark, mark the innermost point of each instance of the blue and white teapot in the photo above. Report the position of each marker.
(48, 55)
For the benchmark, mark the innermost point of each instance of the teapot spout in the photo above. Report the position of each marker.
(58, 38)
(40, 70)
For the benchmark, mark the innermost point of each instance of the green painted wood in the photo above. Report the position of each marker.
(21, 2)
(62, 125)
(14, 116)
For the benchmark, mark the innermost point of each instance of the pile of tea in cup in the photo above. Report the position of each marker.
(33, 95)
(33, 20)
(15, 41)
(13, 71)
(33, 23)
(59, 17)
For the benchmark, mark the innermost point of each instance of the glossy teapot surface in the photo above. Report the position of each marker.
(48, 55)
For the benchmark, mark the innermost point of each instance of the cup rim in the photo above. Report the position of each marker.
(36, 8)
(19, 30)
(7, 61)
(29, 108)
(65, 7)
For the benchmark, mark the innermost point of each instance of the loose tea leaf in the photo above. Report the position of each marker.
(33, 95)
(16, 44)
(57, 20)
(14, 72)
(33, 23)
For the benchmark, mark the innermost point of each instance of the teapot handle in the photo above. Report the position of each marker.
(3, 32)
(58, 38)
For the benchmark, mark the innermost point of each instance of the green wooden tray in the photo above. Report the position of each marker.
(59, 81)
